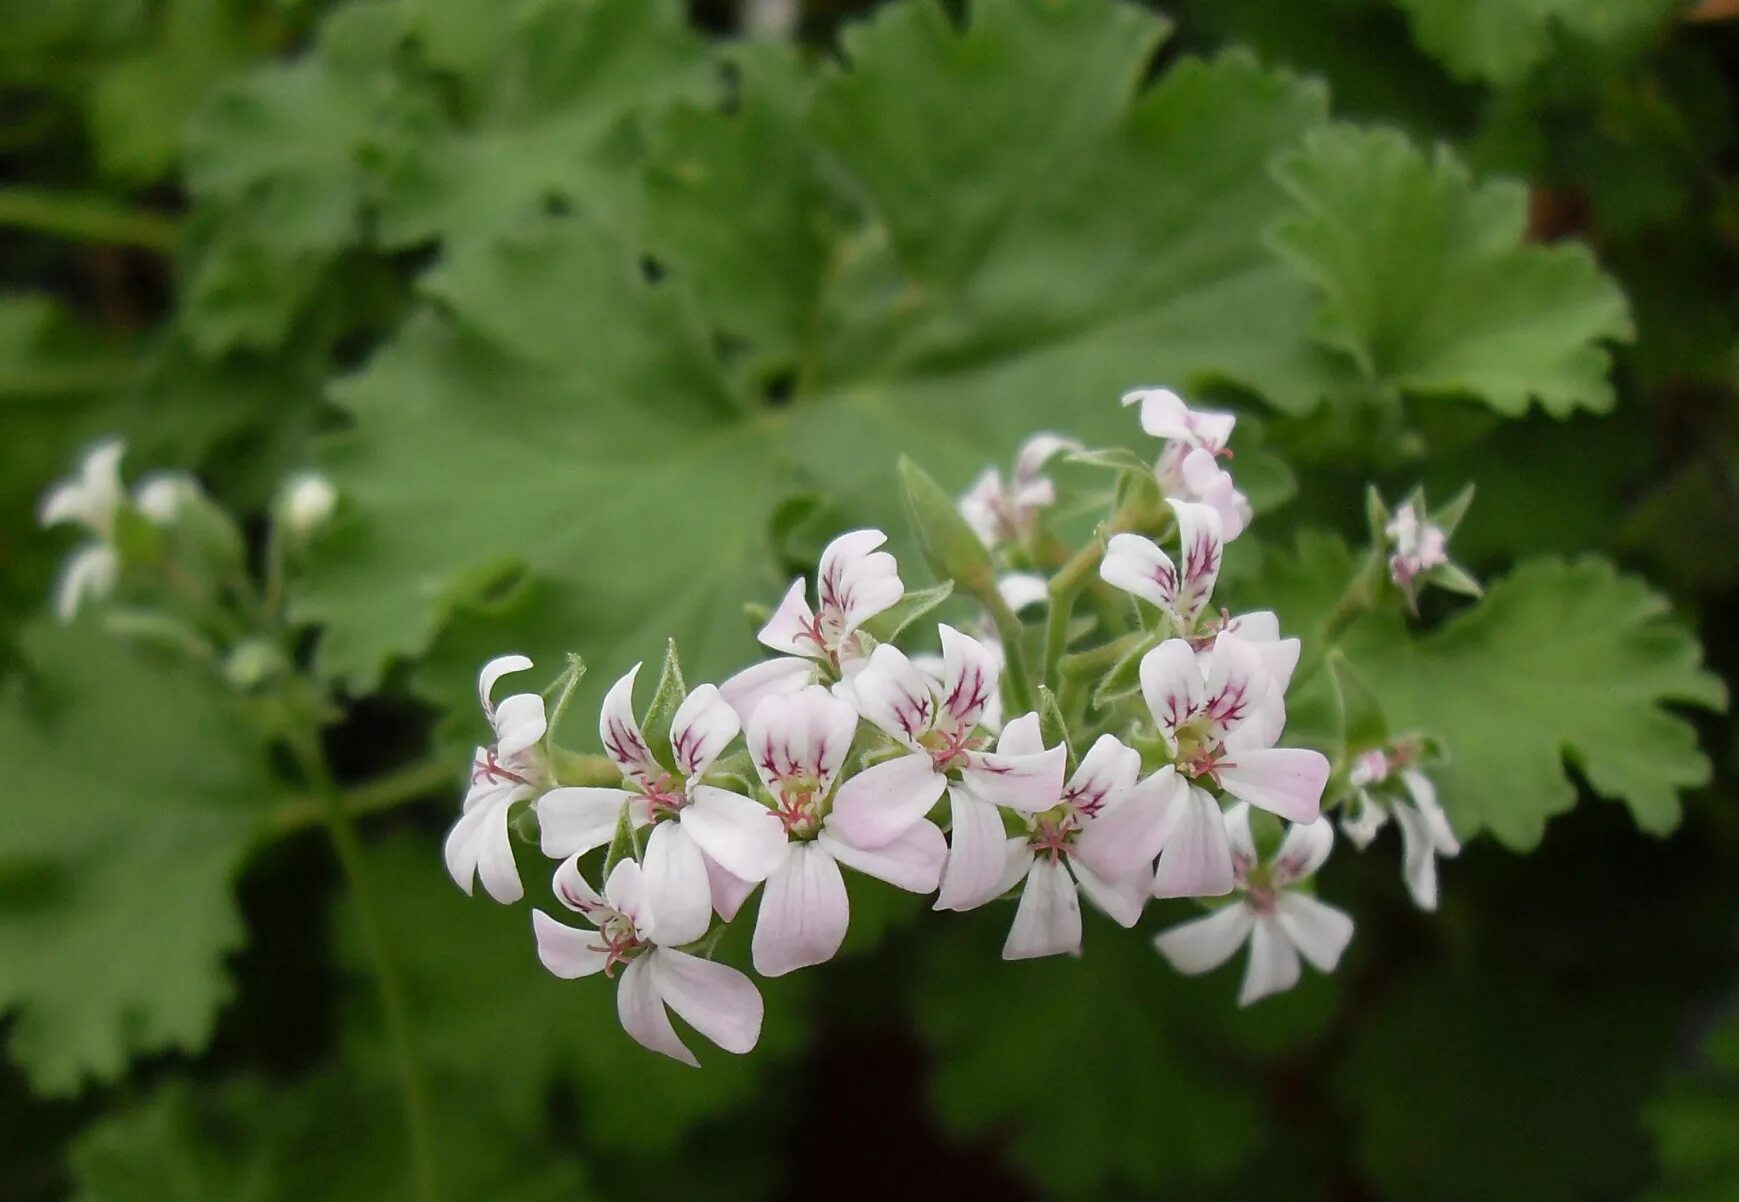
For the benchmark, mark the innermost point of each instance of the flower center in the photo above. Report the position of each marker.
(800, 805)
(620, 942)
(1053, 832)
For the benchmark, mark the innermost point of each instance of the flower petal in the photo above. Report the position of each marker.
(573, 820)
(715, 999)
(1273, 966)
(1122, 840)
(970, 675)
(566, 951)
(804, 912)
(804, 736)
(1107, 772)
(1203, 944)
(1424, 795)
(1316, 929)
(1122, 900)
(1302, 852)
(1287, 781)
(1197, 859)
(855, 582)
(748, 689)
(1022, 589)
(1171, 684)
(1048, 920)
(729, 891)
(619, 731)
(978, 856)
(575, 892)
(90, 572)
(744, 836)
(1029, 783)
(912, 862)
(703, 726)
(1418, 857)
(1021, 737)
(792, 628)
(519, 723)
(886, 800)
(1200, 543)
(481, 846)
(1138, 566)
(641, 1009)
(625, 891)
(493, 671)
(678, 897)
(1236, 683)
(895, 694)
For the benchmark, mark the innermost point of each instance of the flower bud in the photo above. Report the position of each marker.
(307, 505)
(951, 547)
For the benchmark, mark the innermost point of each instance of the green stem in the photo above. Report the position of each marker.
(1065, 586)
(85, 218)
(1014, 673)
(1100, 660)
(386, 792)
(418, 1131)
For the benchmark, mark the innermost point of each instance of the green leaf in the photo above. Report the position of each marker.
(888, 625)
(666, 698)
(1563, 664)
(131, 778)
(1501, 41)
(554, 123)
(254, 1140)
(1361, 712)
(951, 548)
(1695, 1123)
(1427, 284)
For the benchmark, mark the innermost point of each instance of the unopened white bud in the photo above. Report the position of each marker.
(161, 496)
(309, 503)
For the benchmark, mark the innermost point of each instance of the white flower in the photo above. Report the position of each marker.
(92, 497)
(480, 845)
(854, 583)
(309, 501)
(90, 572)
(799, 744)
(1211, 709)
(708, 845)
(1417, 547)
(715, 999)
(1382, 786)
(1137, 565)
(1002, 512)
(938, 723)
(984, 863)
(161, 495)
(1020, 591)
(1279, 922)
(1188, 468)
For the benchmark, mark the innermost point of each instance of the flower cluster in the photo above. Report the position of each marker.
(844, 754)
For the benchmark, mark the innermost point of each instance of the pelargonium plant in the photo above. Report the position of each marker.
(1130, 745)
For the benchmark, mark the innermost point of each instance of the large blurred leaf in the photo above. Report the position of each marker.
(135, 791)
(1428, 286)
(1502, 40)
(1560, 663)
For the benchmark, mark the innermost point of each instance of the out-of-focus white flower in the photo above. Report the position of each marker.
(1188, 468)
(508, 771)
(1381, 787)
(715, 999)
(309, 501)
(89, 573)
(91, 497)
(1002, 511)
(1280, 922)
(1417, 546)
(161, 495)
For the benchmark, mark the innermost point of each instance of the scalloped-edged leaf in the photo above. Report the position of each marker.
(1501, 41)
(1563, 665)
(134, 793)
(1426, 283)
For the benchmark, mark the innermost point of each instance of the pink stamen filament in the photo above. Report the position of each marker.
(492, 770)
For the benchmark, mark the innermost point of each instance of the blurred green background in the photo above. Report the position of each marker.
(603, 317)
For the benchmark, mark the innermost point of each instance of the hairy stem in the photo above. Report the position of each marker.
(418, 1132)
(1065, 586)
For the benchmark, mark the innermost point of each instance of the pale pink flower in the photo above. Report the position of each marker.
(1382, 785)
(503, 774)
(1280, 922)
(1138, 566)
(1416, 546)
(715, 999)
(1007, 511)
(1195, 441)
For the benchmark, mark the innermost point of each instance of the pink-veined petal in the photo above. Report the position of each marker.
(566, 951)
(1171, 684)
(1107, 771)
(886, 800)
(1029, 783)
(625, 891)
(1048, 920)
(1138, 566)
(493, 671)
(715, 999)
(1318, 930)
(619, 731)
(744, 836)
(1200, 544)
(575, 819)
(912, 862)
(970, 676)
(1121, 901)
(1197, 859)
(804, 912)
(641, 1009)
(575, 892)
(1122, 840)
(1236, 683)
(1273, 966)
(1287, 781)
(729, 891)
(1204, 480)
(855, 581)
(792, 628)
(978, 856)
(1021, 737)
(749, 689)
(702, 727)
(1302, 852)
(1240, 839)
(1203, 944)
(677, 893)
(895, 694)
(480, 846)
(805, 736)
